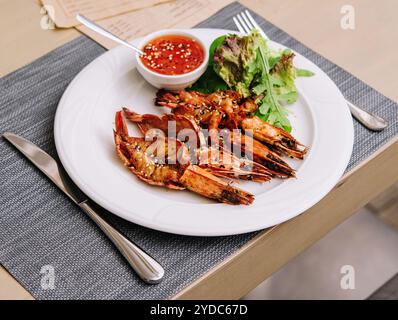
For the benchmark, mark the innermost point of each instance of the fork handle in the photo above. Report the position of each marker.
(145, 266)
(370, 121)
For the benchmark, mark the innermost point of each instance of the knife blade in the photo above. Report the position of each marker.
(142, 263)
(47, 165)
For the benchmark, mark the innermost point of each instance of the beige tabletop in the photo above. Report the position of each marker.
(368, 51)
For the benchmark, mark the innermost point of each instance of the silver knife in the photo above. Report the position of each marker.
(145, 266)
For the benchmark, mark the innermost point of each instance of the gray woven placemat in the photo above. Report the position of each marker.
(39, 226)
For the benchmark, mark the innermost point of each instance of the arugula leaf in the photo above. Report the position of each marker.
(304, 73)
(275, 114)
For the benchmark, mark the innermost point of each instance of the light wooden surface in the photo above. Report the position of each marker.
(369, 52)
(22, 38)
(386, 206)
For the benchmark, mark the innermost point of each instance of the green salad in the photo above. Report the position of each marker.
(246, 64)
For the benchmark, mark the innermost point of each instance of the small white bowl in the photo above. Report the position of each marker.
(171, 82)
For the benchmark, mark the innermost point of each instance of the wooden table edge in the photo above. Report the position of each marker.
(246, 268)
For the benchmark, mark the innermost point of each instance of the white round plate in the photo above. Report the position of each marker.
(84, 139)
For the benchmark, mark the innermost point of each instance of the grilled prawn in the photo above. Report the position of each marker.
(279, 139)
(227, 109)
(260, 153)
(166, 162)
(217, 161)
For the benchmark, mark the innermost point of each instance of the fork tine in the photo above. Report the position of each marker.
(248, 23)
(243, 23)
(240, 28)
(255, 24)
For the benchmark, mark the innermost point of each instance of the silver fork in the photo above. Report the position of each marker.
(245, 23)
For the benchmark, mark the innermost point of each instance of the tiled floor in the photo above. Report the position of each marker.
(363, 241)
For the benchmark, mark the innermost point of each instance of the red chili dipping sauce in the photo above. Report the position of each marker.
(172, 54)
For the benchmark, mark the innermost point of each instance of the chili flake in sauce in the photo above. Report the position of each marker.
(173, 54)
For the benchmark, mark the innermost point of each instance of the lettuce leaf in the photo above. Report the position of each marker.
(210, 81)
(235, 62)
(247, 65)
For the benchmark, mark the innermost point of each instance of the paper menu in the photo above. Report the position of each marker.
(176, 14)
(63, 12)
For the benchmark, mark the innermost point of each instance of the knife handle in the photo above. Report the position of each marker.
(145, 266)
(370, 121)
